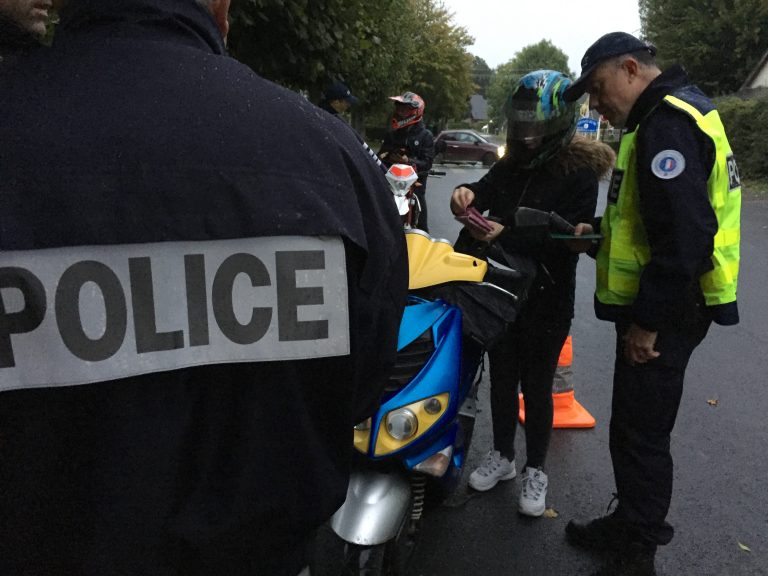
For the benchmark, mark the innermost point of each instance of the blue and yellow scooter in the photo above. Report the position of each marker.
(412, 450)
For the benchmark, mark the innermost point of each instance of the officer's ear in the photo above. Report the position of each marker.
(220, 11)
(631, 67)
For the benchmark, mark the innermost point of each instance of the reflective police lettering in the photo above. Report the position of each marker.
(148, 339)
(290, 296)
(613, 189)
(70, 320)
(96, 313)
(223, 299)
(734, 180)
(197, 299)
(29, 315)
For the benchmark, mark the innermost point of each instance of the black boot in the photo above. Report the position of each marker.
(604, 534)
(635, 560)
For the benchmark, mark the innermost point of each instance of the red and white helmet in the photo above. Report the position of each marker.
(415, 102)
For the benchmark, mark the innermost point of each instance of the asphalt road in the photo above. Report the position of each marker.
(720, 502)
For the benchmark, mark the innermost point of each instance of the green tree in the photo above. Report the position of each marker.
(440, 69)
(719, 42)
(543, 55)
(378, 48)
(303, 44)
(374, 62)
(481, 75)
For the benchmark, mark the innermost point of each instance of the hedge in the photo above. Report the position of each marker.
(746, 124)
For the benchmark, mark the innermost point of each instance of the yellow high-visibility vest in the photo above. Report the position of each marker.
(624, 251)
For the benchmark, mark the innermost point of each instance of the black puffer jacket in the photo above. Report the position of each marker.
(417, 142)
(566, 184)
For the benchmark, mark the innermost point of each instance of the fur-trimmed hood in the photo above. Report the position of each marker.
(583, 152)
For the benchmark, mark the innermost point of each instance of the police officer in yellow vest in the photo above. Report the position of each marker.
(667, 266)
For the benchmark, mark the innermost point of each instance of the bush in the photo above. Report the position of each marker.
(746, 124)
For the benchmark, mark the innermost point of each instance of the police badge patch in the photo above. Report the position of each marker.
(668, 164)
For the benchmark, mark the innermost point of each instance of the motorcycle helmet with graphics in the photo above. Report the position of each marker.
(539, 120)
(409, 109)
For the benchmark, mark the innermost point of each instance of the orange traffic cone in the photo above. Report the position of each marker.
(567, 412)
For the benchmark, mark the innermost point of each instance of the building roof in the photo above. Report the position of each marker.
(478, 107)
(758, 78)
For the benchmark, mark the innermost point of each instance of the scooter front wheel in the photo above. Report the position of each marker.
(333, 556)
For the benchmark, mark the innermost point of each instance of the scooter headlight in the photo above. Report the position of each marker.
(402, 424)
(406, 424)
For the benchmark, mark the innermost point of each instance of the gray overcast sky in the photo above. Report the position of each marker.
(503, 27)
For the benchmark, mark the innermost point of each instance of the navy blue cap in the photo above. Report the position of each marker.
(338, 91)
(608, 46)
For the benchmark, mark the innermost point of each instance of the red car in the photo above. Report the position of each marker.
(466, 146)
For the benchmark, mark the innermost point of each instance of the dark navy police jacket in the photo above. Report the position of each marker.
(166, 216)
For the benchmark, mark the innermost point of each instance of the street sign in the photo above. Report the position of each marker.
(586, 125)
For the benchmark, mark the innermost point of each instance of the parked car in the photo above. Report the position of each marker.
(466, 146)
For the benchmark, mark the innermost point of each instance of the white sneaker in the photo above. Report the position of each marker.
(496, 467)
(534, 492)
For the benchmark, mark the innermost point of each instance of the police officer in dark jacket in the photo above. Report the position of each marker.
(410, 142)
(666, 268)
(192, 319)
(337, 98)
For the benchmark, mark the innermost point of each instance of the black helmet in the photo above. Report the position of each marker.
(539, 120)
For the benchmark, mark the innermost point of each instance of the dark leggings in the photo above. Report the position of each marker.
(527, 356)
